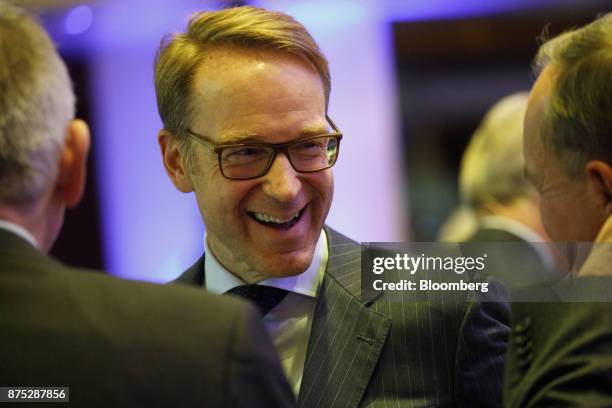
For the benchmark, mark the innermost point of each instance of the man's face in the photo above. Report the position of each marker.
(568, 206)
(249, 96)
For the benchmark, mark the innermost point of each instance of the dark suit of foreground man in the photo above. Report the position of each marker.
(243, 97)
(114, 343)
(561, 350)
(128, 344)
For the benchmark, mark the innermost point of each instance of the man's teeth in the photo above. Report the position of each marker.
(269, 218)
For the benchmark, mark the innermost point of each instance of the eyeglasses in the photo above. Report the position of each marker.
(245, 161)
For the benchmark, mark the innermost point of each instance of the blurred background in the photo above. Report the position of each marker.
(411, 80)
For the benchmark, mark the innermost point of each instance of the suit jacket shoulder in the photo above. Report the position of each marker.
(126, 343)
(194, 275)
(560, 351)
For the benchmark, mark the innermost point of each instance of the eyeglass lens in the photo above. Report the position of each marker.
(305, 156)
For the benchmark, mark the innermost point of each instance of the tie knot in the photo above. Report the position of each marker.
(266, 297)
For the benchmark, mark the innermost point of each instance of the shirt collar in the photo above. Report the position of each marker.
(220, 280)
(19, 231)
(508, 224)
(605, 233)
(527, 234)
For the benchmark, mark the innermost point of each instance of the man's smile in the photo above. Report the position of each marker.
(277, 222)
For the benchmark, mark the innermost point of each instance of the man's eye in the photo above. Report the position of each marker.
(244, 154)
(310, 145)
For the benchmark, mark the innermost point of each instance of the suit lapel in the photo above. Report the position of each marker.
(346, 338)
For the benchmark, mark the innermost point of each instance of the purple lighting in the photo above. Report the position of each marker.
(78, 20)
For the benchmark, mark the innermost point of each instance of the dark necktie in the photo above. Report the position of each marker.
(266, 297)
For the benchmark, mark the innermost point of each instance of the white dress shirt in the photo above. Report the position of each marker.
(288, 323)
(19, 231)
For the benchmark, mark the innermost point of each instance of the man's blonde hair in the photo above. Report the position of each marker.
(36, 106)
(180, 55)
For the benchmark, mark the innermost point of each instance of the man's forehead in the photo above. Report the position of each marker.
(220, 59)
(239, 71)
(222, 71)
(252, 95)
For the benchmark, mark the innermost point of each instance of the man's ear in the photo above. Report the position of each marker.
(174, 162)
(599, 174)
(70, 183)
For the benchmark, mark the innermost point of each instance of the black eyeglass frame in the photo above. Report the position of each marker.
(276, 147)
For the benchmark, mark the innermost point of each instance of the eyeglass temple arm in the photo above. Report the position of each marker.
(332, 123)
(209, 145)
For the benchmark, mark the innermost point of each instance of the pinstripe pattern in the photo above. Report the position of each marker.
(397, 349)
(440, 351)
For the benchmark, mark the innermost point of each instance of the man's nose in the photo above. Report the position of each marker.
(282, 182)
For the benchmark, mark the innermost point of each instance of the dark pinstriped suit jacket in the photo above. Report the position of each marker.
(392, 350)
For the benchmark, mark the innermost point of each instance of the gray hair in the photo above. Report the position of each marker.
(578, 117)
(492, 165)
(36, 105)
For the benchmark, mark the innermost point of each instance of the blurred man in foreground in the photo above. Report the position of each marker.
(243, 96)
(113, 343)
(561, 348)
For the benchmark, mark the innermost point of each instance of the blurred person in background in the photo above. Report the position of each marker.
(243, 96)
(561, 347)
(112, 342)
(498, 204)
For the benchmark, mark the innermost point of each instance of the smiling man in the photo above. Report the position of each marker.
(243, 97)
(262, 219)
